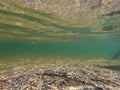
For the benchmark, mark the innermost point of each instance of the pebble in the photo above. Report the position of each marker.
(76, 78)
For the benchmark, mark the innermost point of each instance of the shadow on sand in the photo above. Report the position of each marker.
(116, 56)
(113, 67)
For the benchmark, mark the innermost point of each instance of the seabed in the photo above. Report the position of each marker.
(60, 74)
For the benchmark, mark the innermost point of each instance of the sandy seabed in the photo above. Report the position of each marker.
(62, 75)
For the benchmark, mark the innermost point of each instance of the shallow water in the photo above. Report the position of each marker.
(26, 32)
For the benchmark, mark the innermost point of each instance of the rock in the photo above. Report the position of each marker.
(110, 28)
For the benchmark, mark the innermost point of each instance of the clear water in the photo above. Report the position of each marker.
(28, 32)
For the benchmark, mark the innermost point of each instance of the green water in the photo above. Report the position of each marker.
(28, 32)
(90, 49)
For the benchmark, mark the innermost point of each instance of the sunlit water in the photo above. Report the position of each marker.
(26, 32)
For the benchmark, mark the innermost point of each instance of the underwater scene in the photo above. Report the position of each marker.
(59, 44)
